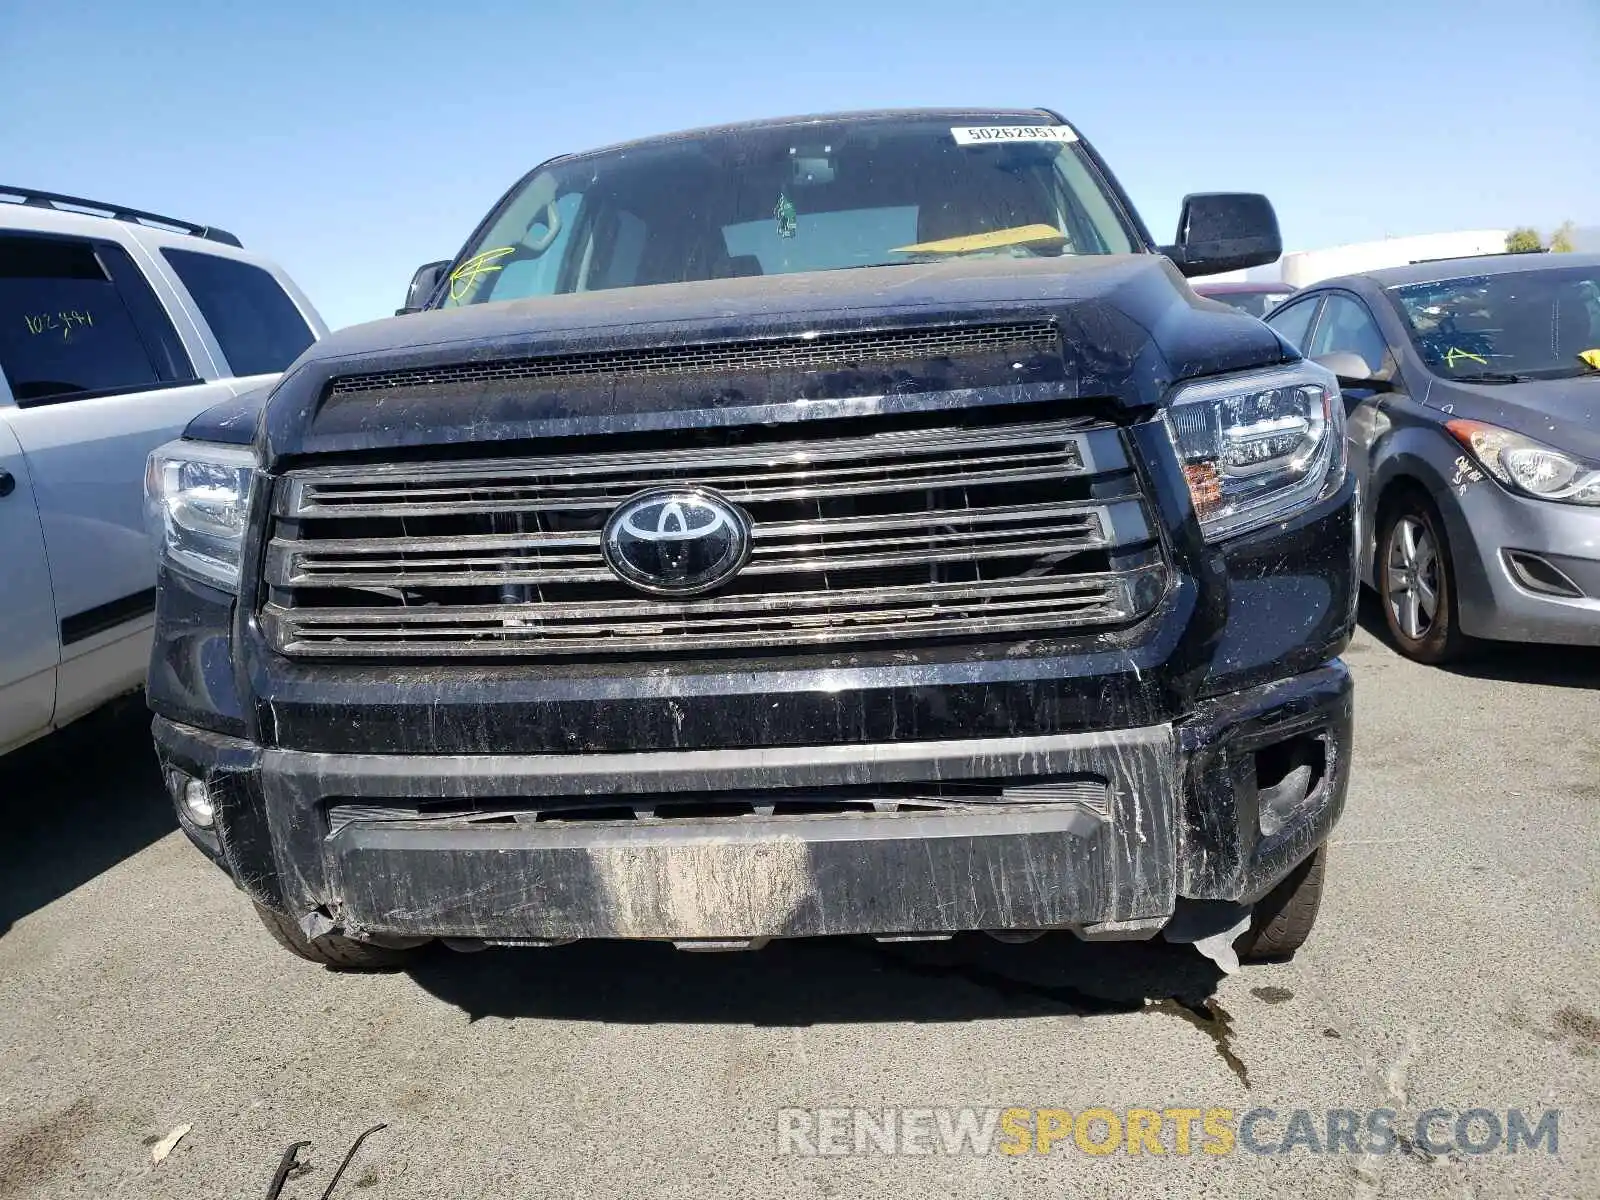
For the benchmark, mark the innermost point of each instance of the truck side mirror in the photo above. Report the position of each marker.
(423, 283)
(1225, 231)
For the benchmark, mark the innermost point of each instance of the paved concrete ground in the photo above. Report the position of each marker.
(1455, 966)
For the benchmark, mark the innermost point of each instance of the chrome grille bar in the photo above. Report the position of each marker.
(779, 548)
(780, 471)
(753, 622)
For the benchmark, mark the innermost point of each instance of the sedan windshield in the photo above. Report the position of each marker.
(1535, 324)
(808, 196)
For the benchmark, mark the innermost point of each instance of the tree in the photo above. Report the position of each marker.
(1523, 240)
(1561, 239)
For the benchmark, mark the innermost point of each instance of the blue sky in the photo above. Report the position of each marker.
(354, 140)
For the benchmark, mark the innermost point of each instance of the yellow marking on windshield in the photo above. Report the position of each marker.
(997, 239)
(465, 277)
(1590, 358)
(1454, 355)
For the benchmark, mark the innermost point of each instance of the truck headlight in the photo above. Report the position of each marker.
(1260, 446)
(1528, 467)
(195, 498)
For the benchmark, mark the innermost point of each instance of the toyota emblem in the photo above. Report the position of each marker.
(676, 541)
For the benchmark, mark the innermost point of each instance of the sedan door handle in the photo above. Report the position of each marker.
(8, 484)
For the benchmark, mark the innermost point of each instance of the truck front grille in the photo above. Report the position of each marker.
(994, 521)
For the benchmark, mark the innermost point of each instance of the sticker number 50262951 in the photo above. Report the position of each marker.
(982, 135)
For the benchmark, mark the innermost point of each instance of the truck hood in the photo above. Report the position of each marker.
(1130, 327)
(232, 421)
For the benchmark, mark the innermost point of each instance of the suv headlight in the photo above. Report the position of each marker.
(195, 497)
(1258, 446)
(1528, 467)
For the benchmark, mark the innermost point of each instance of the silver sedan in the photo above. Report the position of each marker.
(1473, 391)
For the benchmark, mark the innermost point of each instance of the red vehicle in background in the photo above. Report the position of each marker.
(1255, 298)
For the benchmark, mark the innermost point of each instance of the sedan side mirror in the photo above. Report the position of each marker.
(423, 283)
(1353, 372)
(1225, 231)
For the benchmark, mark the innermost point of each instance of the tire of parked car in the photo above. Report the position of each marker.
(1282, 920)
(332, 950)
(1416, 580)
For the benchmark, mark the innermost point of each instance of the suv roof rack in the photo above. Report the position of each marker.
(118, 212)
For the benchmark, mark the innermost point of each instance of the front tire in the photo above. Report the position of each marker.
(1416, 582)
(332, 951)
(1284, 917)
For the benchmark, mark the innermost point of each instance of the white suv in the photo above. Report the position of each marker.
(117, 327)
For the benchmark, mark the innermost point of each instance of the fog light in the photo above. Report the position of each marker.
(193, 797)
(1288, 774)
(1540, 575)
(197, 803)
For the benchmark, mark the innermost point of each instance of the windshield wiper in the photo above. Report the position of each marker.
(901, 259)
(1491, 377)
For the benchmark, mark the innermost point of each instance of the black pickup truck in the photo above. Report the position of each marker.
(834, 525)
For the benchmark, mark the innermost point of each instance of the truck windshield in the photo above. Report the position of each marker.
(808, 196)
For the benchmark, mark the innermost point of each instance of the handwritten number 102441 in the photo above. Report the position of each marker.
(66, 323)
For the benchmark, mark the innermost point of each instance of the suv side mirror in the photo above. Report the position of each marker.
(1225, 231)
(423, 283)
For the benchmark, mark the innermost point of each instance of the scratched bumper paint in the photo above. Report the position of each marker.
(748, 879)
(1177, 817)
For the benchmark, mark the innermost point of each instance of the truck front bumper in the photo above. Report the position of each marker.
(1097, 832)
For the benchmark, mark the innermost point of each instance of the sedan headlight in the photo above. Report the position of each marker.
(1528, 467)
(1260, 446)
(195, 498)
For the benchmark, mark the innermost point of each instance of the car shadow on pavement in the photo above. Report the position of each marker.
(1551, 666)
(826, 981)
(75, 804)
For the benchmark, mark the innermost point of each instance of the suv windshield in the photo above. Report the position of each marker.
(809, 196)
(1531, 324)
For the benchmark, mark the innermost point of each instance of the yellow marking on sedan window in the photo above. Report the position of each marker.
(1590, 358)
(1454, 355)
(465, 277)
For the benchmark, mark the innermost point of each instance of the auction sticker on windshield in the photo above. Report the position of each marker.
(978, 135)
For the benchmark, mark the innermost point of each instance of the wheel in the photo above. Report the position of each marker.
(1283, 918)
(1415, 582)
(339, 953)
